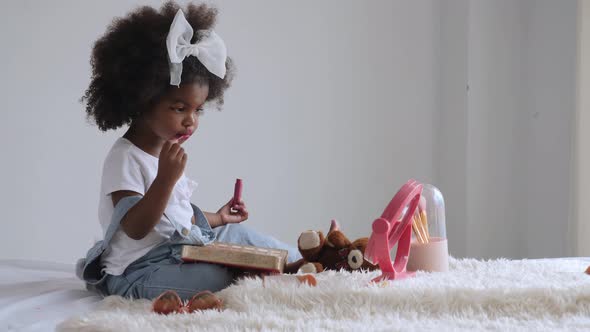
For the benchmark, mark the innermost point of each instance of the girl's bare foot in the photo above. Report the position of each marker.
(167, 302)
(204, 300)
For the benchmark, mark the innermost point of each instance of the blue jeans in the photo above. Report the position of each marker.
(162, 269)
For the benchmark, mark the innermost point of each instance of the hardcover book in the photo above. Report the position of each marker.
(247, 257)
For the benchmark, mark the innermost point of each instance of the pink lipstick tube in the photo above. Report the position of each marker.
(237, 192)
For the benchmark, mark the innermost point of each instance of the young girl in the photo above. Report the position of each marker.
(155, 71)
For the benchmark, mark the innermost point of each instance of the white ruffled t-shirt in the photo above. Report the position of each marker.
(127, 167)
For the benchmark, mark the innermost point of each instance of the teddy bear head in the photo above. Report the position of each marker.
(332, 252)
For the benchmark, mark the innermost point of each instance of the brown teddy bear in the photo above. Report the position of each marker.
(332, 252)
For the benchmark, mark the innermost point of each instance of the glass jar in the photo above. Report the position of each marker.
(429, 249)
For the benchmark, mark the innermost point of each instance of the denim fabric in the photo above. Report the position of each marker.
(161, 268)
(89, 268)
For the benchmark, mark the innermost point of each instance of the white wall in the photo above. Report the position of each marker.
(451, 147)
(332, 110)
(494, 105)
(335, 105)
(548, 123)
(581, 178)
(526, 76)
(505, 146)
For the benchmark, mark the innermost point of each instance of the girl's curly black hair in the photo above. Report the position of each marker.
(130, 69)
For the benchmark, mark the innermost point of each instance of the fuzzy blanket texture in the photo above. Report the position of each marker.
(475, 295)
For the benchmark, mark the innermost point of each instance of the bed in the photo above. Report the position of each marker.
(546, 294)
(36, 296)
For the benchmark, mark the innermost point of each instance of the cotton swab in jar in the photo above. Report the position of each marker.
(420, 223)
(423, 217)
(422, 228)
(416, 229)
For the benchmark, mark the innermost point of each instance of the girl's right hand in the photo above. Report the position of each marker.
(171, 163)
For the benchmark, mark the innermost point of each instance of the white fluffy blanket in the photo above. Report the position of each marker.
(525, 295)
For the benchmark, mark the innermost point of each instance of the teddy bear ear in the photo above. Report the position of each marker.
(360, 244)
(334, 226)
(310, 244)
(337, 239)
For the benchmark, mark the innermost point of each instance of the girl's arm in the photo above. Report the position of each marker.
(214, 219)
(143, 216)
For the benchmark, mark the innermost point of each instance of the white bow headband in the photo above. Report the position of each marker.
(210, 50)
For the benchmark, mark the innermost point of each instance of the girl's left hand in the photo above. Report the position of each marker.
(239, 213)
